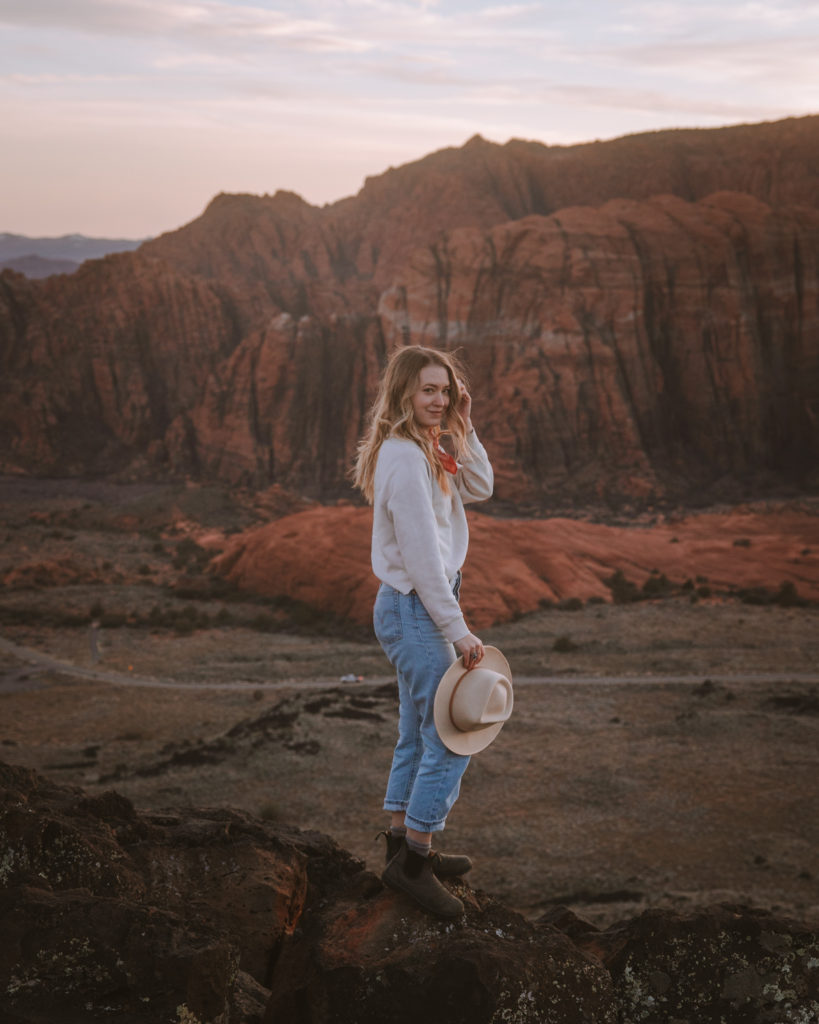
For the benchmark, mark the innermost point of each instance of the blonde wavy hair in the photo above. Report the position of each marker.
(392, 414)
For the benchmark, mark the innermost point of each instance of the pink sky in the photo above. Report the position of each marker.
(122, 118)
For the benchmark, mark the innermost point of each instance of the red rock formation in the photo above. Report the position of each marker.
(652, 346)
(321, 558)
(96, 366)
(619, 351)
(278, 241)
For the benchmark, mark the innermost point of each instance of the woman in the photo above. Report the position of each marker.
(419, 543)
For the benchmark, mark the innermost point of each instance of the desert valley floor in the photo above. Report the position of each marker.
(661, 753)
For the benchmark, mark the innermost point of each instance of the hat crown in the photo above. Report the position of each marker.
(481, 697)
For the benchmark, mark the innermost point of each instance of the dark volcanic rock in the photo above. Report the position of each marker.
(109, 915)
(719, 964)
(365, 959)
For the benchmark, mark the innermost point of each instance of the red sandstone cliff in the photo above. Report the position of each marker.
(626, 348)
(654, 345)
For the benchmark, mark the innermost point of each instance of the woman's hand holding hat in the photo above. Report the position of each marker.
(470, 649)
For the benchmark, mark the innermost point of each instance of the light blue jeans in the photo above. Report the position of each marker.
(425, 777)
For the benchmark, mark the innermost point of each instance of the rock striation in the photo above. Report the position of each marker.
(624, 349)
(110, 914)
(639, 317)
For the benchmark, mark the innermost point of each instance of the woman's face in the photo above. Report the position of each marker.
(431, 399)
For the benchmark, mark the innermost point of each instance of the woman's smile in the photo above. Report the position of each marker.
(431, 400)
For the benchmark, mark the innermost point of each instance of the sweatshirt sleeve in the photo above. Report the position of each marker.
(409, 504)
(475, 478)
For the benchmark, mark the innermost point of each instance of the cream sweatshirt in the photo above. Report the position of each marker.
(420, 534)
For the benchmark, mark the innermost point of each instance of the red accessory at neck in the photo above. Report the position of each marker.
(449, 464)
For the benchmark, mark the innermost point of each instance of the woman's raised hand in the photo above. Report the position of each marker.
(470, 649)
(465, 405)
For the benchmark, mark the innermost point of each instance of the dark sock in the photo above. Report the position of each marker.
(398, 830)
(422, 849)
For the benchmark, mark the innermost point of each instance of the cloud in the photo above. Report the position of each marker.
(509, 10)
(655, 101)
(209, 22)
(706, 19)
(787, 59)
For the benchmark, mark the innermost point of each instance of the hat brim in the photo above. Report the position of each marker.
(475, 740)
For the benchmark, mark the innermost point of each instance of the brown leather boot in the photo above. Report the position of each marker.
(411, 873)
(445, 865)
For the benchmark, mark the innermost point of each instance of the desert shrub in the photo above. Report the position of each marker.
(703, 591)
(688, 586)
(546, 603)
(23, 616)
(68, 618)
(112, 620)
(301, 614)
(187, 552)
(564, 645)
(657, 585)
(571, 604)
(742, 542)
(189, 618)
(145, 570)
(623, 591)
(755, 595)
(156, 617)
(596, 599)
(264, 622)
(788, 596)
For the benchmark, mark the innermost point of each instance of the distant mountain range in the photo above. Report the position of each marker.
(42, 257)
(639, 318)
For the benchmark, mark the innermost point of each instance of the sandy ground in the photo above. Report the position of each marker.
(669, 757)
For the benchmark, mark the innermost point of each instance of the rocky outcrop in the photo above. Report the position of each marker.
(108, 914)
(658, 340)
(516, 566)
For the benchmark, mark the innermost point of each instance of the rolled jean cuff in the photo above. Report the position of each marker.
(424, 826)
(393, 805)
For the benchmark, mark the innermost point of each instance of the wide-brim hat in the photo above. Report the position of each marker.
(472, 705)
